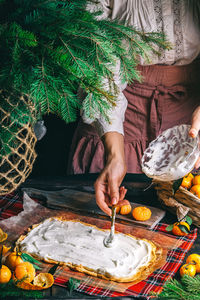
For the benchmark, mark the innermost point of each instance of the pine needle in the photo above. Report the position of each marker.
(188, 288)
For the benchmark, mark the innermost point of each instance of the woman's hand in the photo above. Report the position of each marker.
(194, 130)
(107, 185)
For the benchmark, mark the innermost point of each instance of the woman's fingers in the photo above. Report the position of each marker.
(123, 202)
(195, 127)
(197, 164)
(101, 195)
(122, 193)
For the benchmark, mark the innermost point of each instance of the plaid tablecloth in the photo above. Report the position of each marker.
(11, 205)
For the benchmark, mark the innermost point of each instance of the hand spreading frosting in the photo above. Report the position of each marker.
(195, 127)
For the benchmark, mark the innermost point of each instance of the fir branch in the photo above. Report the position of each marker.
(50, 48)
(188, 288)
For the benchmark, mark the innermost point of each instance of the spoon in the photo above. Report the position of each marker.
(108, 240)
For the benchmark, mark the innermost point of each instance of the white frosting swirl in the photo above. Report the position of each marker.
(79, 244)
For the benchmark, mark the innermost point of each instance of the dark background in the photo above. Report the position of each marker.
(53, 150)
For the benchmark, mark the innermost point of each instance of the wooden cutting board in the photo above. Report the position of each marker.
(85, 202)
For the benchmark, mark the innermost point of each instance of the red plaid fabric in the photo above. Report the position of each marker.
(11, 205)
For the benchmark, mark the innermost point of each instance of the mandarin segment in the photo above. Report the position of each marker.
(141, 213)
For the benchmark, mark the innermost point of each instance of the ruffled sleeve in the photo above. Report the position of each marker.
(116, 113)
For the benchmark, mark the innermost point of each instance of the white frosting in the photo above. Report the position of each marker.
(171, 155)
(79, 244)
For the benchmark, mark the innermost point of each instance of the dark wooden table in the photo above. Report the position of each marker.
(136, 185)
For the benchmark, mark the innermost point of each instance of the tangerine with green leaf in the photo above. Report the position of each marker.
(13, 259)
(181, 228)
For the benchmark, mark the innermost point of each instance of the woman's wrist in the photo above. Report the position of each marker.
(114, 146)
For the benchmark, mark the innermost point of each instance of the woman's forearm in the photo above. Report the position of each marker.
(114, 146)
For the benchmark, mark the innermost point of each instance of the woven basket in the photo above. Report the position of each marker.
(181, 203)
(17, 162)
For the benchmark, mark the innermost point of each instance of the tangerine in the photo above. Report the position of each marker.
(141, 213)
(195, 259)
(195, 189)
(196, 180)
(5, 274)
(123, 203)
(188, 269)
(13, 259)
(125, 209)
(187, 181)
(176, 230)
(25, 271)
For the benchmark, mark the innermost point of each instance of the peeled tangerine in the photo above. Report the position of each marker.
(5, 249)
(41, 281)
(124, 209)
(25, 272)
(3, 235)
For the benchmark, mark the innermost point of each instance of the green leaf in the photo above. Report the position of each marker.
(53, 269)
(36, 267)
(27, 257)
(73, 284)
(169, 227)
(176, 185)
(188, 220)
(33, 261)
(183, 228)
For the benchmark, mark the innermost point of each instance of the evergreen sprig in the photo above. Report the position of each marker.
(187, 288)
(49, 48)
